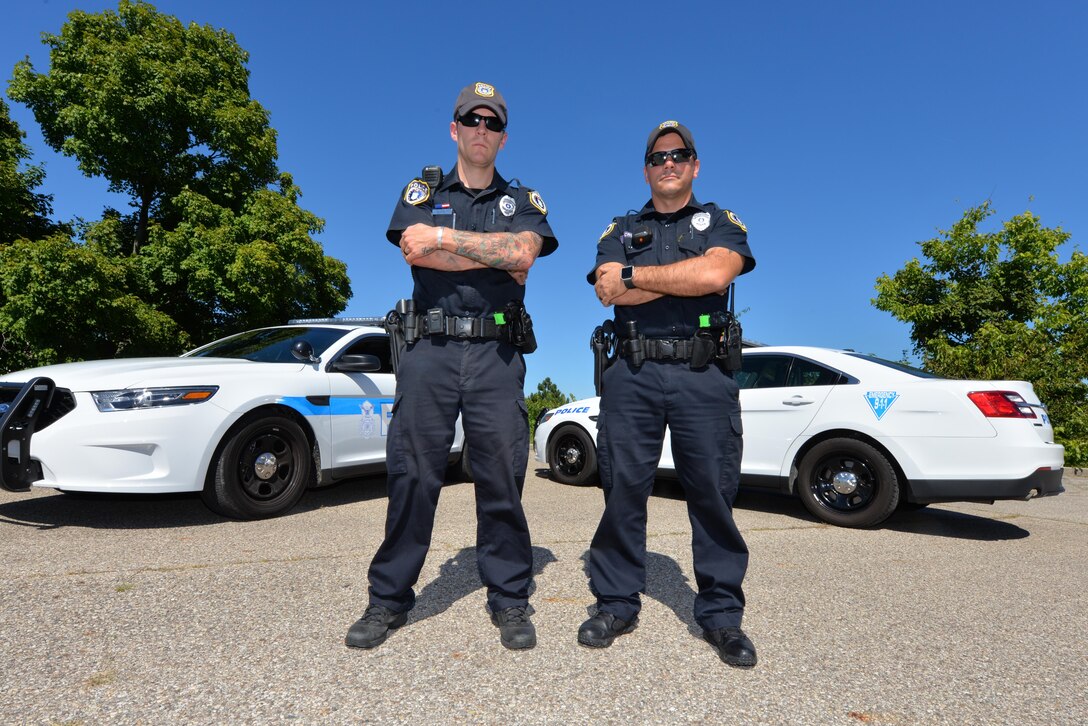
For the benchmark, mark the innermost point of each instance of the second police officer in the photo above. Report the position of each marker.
(667, 269)
(470, 239)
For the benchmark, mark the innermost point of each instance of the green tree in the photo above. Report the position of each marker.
(23, 212)
(152, 106)
(547, 396)
(163, 112)
(67, 301)
(220, 272)
(1001, 305)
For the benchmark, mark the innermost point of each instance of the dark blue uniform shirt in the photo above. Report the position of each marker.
(681, 235)
(502, 207)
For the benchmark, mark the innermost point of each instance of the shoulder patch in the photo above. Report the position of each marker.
(607, 231)
(735, 220)
(536, 201)
(417, 192)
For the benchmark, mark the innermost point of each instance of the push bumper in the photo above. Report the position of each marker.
(17, 426)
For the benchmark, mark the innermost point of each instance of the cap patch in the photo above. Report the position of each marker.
(701, 221)
(536, 201)
(668, 125)
(508, 206)
(417, 192)
(735, 220)
(607, 231)
(484, 90)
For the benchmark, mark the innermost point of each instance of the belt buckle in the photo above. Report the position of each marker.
(463, 327)
(667, 348)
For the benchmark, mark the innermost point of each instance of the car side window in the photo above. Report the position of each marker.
(763, 371)
(375, 345)
(806, 373)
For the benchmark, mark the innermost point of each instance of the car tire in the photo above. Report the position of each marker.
(261, 469)
(848, 483)
(572, 456)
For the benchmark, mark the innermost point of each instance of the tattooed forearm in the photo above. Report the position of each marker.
(501, 250)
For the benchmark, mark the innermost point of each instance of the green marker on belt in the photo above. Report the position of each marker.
(500, 319)
(704, 321)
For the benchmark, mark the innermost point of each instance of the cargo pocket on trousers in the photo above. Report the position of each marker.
(396, 462)
(521, 449)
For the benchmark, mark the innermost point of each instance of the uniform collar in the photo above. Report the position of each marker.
(452, 179)
(649, 211)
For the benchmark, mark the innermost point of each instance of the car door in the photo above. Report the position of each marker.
(361, 406)
(780, 395)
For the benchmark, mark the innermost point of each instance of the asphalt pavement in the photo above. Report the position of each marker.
(154, 610)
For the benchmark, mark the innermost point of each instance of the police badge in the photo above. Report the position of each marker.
(417, 192)
(701, 221)
(508, 206)
(485, 90)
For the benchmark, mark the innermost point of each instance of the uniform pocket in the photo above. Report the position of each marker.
(396, 462)
(521, 450)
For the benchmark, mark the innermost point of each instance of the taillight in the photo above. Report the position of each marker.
(1002, 404)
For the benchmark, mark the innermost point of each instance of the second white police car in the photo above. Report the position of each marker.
(855, 436)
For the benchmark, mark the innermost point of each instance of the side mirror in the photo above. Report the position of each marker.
(356, 364)
(303, 351)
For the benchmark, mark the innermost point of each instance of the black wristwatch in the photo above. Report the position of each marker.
(626, 274)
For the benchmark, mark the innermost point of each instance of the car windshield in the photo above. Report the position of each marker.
(270, 345)
(917, 372)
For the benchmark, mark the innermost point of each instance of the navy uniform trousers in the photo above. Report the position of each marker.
(438, 378)
(702, 411)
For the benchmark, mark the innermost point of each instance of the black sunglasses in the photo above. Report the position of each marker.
(678, 156)
(472, 120)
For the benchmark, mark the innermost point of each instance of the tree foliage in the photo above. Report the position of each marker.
(221, 271)
(163, 112)
(23, 212)
(1001, 305)
(66, 301)
(547, 396)
(152, 106)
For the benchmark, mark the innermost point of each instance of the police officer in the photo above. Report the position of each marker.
(470, 241)
(667, 269)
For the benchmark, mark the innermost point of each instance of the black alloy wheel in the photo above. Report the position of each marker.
(847, 482)
(261, 470)
(572, 456)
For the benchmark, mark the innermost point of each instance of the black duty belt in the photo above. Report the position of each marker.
(667, 348)
(456, 327)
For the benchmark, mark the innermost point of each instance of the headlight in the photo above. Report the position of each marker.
(128, 399)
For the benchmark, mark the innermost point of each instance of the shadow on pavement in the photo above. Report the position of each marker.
(458, 577)
(932, 521)
(154, 511)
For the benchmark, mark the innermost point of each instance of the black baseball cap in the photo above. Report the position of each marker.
(480, 94)
(669, 127)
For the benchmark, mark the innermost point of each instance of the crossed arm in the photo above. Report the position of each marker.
(710, 273)
(460, 249)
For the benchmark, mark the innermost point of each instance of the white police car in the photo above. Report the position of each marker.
(855, 436)
(250, 421)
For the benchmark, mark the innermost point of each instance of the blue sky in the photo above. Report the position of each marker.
(842, 133)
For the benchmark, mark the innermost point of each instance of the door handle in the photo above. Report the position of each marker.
(797, 401)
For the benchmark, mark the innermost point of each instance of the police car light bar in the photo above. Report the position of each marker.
(342, 321)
